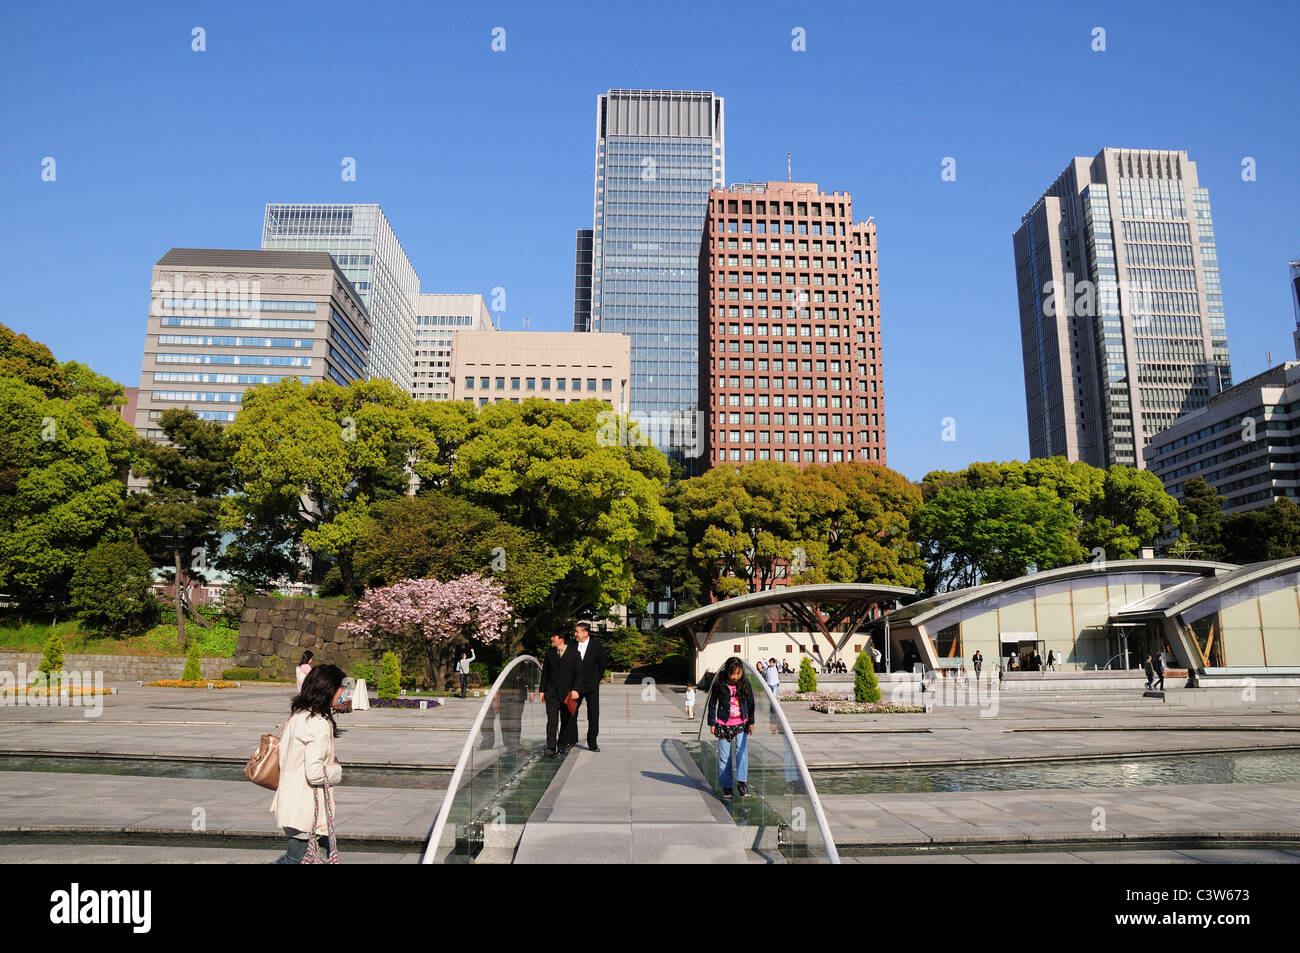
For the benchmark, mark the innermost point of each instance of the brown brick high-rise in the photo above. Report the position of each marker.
(790, 338)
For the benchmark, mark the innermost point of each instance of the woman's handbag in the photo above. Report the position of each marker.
(263, 768)
(315, 853)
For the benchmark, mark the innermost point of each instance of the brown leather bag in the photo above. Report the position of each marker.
(263, 768)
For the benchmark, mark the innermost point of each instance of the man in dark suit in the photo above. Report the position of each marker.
(559, 678)
(591, 669)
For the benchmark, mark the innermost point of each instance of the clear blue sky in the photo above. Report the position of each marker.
(483, 161)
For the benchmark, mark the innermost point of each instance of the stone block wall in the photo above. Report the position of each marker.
(273, 634)
(118, 668)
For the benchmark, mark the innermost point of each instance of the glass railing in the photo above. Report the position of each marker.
(781, 794)
(500, 774)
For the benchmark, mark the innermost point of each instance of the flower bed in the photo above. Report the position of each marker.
(43, 692)
(813, 697)
(404, 703)
(842, 707)
(202, 683)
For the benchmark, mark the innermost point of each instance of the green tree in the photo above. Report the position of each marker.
(309, 460)
(177, 517)
(1271, 532)
(64, 455)
(1202, 519)
(807, 677)
(193, 664)
(866, 687)
(390, 675)
(51, 663)
(112, 590)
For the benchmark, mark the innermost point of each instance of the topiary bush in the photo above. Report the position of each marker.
(111, 591)
(193, 668)
(807, 677)
(866, 687)
(51, 664)
(240, 674)
(390, 677)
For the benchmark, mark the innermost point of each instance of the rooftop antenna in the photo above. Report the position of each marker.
(788, 176)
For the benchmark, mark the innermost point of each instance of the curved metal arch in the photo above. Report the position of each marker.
(833, 855)
(440, 822)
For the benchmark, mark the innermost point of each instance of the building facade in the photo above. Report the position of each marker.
(1121, 312)
(792, 353)
(1245, 443)
(1295, 304)
(366, 248)
(658, 153)
(439, 319)
(221, 321)
(561, 366)
(582, 280)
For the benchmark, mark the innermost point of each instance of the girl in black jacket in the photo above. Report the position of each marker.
(731, 719)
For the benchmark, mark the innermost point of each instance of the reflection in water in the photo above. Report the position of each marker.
(1237, 768)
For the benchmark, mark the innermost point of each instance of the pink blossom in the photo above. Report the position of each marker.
(470, 605)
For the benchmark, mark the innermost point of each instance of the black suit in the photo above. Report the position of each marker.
(559, 677)
(591, 670)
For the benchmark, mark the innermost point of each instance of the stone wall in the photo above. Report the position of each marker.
(118, 668)
(273, 634)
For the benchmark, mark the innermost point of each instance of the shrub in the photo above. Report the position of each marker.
(193, 669)
(390, 678)
(807, 677)
(111, 590)
(866, 687)
(52, 661)
(240, 674)
(364, 670)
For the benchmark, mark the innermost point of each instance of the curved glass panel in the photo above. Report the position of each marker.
(500, 775)
(781, 792)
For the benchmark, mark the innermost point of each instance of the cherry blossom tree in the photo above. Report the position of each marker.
(432, 618)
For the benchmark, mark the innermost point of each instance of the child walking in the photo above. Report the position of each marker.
(690, 701)
(731, 719)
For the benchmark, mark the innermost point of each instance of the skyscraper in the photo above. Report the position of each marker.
(790, 328)
(367, 250)
(441, 317)
(1121, 313)
(658, 153)
(1295, 303)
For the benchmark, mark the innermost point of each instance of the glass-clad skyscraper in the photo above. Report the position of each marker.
(658, 153)
(1121, 312)
(366, 249)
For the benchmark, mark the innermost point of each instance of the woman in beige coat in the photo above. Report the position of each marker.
(307, 761)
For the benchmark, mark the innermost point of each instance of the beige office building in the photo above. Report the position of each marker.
(563, 366)
(222, 320)
(439, 318)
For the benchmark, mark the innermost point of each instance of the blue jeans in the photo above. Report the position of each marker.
(725, 775)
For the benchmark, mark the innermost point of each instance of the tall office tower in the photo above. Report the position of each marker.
(658, 153)
(1121, 314)
(440, 318)
(792, 369)
(223, 320)
(366, 248)
(582, 281)
(1295, 303)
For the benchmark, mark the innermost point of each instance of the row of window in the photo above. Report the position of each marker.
(210, 341)
(530, 383)
(232, 304)
(822, 456)
(779, 436)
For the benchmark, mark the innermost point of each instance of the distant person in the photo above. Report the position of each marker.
(1158, 667)
(875, 654)
(1150, 671)
(773, 677)
(462, 669)
(304, 668)
(731, 719)
(1035, 662)
(977, 662)
(785, 667)
(689, 699)
(302, 802)
(1051, 660)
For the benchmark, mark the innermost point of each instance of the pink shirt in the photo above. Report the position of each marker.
(733, 712)
(303, 671)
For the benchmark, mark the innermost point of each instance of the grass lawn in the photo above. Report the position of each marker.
(217, 642)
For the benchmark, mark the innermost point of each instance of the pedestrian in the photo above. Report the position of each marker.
(731, 719)
(591, 669)
(1035, 662)
(304, 668)
(1051, 660)
(1150, 671)
(302, 804)
(462, 669)
(875, 655)
(559, 678)
(690, 701)
(1158, 666)
(773, 677)
(977, 662)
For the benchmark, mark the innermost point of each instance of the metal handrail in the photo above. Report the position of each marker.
(440, 822)
(833, 855)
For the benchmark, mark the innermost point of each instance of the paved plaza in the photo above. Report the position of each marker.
(641, 799)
